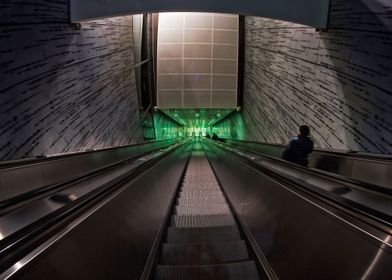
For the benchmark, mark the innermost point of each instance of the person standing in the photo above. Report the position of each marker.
(299, 148)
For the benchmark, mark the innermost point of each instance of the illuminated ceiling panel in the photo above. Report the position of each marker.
(197, 61)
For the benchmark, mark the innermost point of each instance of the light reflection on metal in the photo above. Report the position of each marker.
(377, 257)
(18, 265)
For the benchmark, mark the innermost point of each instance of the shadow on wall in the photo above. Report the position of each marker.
(337, 81)
(356, 55)
(64, 90)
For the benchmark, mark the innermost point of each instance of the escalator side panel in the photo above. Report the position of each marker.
(115, 241)
(300, 240)
(376, 170)
(32, 175)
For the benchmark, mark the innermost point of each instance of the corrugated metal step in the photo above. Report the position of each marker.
(200, 178)
(202, 221)
(203, 253)
(234, 271)
(201, 194)
(198, 235)
(201, 201)
(200, 184)
(202, 210)
(200, 188)
(203, 241)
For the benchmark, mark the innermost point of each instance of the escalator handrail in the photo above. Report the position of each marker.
(332, 176)
(366, 214)
(263, 263)
(16, 244)
(71, 181)
(380, 158)
(44, 159)
(159, 239)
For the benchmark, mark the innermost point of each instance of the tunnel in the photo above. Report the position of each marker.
(195, 140)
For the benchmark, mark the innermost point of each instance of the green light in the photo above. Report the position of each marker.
(197, 122)
(166, 128)
(232, 127)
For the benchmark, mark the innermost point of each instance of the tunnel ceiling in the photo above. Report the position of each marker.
(197, 118)
(309, 12)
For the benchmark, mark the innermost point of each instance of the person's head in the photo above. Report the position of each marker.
(304, 130)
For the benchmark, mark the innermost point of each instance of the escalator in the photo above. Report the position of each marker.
(301, 229)
(203, 240)
(373, 169)
(46, 206)
(190, 209)
(374, 200)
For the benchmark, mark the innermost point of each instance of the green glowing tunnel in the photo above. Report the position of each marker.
(227, 123)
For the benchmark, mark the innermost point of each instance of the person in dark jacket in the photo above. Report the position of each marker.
(214, 137)
(299, 148)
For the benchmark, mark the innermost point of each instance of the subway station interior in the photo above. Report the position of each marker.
(209, 139)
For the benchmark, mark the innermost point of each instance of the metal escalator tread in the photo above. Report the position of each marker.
(198, 235)
(233, 271)
(201, 200)
(202, 221)
(200, 188)
(197, 210)
(200, 194)
(204, 253)
(203, 240)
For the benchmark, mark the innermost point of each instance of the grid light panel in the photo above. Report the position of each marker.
(197, 61)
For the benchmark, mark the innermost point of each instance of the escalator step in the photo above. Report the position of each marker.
(202, 221)
(204, 253)
(233, 271)
(200, 178)
(203, 240)
(200, 184)
(201, 194)
(201, 201)
(199, 210)
(198, 235)
(202, 187)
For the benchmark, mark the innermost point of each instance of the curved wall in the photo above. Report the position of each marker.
(64, 89)
(337, 81)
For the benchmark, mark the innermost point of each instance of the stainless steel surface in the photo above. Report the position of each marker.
(23, 177)
(373, 169)
(19, 218)
(113, 239)
(374, 203)
(301, 236)
(231, 271)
